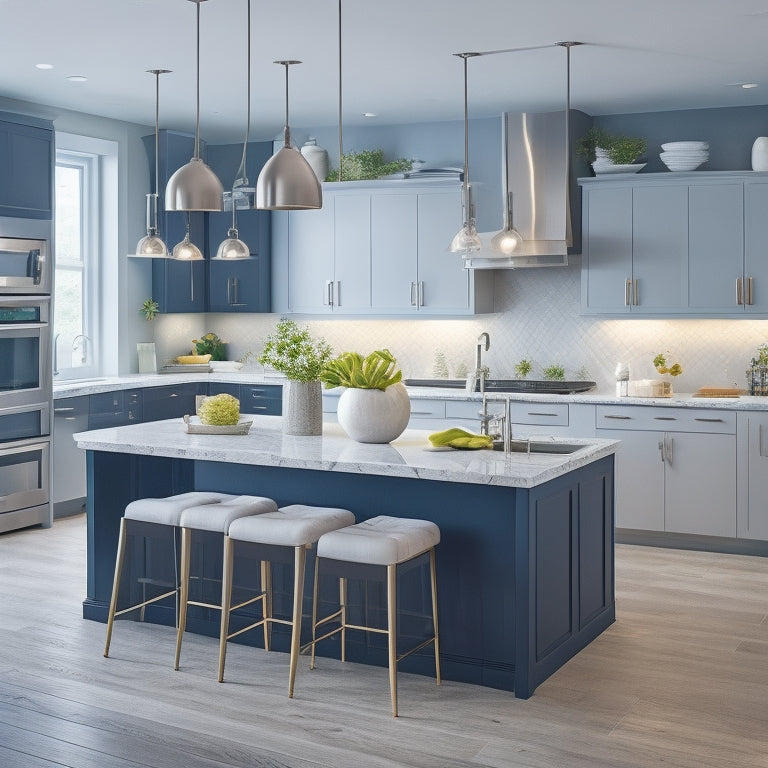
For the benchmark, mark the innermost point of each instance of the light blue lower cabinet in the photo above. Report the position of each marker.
(752, 463)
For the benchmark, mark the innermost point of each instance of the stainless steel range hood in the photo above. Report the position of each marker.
(546, 200)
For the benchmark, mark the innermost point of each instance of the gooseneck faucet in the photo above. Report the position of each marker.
(83, 345)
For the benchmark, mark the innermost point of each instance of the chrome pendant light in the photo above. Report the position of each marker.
(194, 186)
(509, 240)
(152, 246)
(466, 240)
(186, 250)
(287, 181)
(233, 247)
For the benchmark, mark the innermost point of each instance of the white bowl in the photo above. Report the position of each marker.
(225, 365)
(628, 168)
(674, 145)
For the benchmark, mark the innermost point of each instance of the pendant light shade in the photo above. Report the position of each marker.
(287, 181)
(152, 246)
(194, 186)
(466, 240)
(186, 250)
(233, 247)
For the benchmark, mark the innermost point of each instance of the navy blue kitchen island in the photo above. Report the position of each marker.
(526, 558)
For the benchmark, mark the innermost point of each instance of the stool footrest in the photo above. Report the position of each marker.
(145, 603)
(417, 648)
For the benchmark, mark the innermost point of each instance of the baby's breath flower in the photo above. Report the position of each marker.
(292, 350)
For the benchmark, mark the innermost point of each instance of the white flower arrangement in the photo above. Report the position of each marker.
(294, 352)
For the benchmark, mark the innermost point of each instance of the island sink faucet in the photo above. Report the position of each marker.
(479, 374)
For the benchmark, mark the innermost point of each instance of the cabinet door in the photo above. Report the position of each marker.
(608, 254)
(179, 286)
(716, 249)
(445, 284)
(639, 479)
(70, 415)
(394, 231)
(352, 253)
(310, 267)
(754, 507)
(756, 245)
(701, 484)
(26, 170)
(659, 249)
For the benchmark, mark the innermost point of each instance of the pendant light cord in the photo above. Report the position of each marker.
(287, 130)
(241, 178)
(341, 149)
(197, 116)
(157, 131)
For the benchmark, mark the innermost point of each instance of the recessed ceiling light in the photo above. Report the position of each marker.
(369, 114)
(44, 66)
(749, 85)
(77, 79)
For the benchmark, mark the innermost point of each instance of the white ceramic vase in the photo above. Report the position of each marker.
(317, 158)
(302, 408)
(760, 154)
(373, 415)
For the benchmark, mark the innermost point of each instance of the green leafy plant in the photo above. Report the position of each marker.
(660, 364)
(623, 150)
(554, 372)
(293, 351)
(762, 354)
(352, 370)
(523, 368)
(149, 308)
(212, 345)
(368, 164)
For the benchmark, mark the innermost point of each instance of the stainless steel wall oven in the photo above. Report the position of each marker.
(25, 266)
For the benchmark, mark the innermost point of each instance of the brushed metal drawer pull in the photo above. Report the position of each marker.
(714, 421)
(623, 418)
(665, 418)
(535, 413)
(63, 410)
(422, 413)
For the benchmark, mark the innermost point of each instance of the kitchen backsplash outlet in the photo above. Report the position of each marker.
(537, 319)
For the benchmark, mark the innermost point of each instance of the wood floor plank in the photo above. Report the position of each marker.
(681, 679)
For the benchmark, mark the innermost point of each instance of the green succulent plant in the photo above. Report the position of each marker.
(352, 370)
(149, 308)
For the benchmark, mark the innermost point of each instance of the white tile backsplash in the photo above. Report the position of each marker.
(538, 318)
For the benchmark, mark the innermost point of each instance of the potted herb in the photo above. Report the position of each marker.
(620, 150)
(523, 368)
(368, 164)
(294, 352)
(375, 407)
(554, 372)
(149, 309)
(212, 345)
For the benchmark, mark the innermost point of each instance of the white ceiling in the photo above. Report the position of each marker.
(643, 55)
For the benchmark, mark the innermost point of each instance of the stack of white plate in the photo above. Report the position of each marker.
(684, 155)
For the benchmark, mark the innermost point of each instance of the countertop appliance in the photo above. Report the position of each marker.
(25, 373)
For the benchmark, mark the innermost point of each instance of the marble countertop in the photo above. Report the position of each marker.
(131, 381)
(408, 456)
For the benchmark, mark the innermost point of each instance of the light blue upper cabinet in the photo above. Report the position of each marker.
(26, 167)
(378, 248)
(696, 243)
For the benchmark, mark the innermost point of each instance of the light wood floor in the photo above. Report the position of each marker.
(680, 680)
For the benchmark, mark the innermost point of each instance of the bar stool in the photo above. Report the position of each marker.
(153, 517)
(297, 526)
(380, 541)
(216, 519)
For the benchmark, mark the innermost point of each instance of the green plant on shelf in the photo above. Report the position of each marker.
(149, 309)
(622, 150)
(660, 364)
(368, 164)
(212, 345)
(523, 368)
(554, 372)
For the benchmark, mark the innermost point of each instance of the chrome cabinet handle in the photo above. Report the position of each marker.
(750, 295)
(63, 410)
(621, 418)
(535, 413)
(328, 298)
(413, 294)
(236, 290)
(739, 291)
(337, 297)
(665, 418)
(661, 450)
(668, 445)
(714, 421)
(636, 292)
(421, 293)
(627, 292)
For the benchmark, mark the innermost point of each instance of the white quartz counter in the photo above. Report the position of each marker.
(408, 456)
(131, 381)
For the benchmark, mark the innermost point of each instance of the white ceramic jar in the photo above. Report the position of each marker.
(760, 154)
(317, 158)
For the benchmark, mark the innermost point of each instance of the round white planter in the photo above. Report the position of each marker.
(373, 415)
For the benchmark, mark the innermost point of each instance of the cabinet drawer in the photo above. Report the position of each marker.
(171, 402)
(428, 409)
(266, 399)
(548, 414)
(662, 419)
(114, 409)
(465, 409)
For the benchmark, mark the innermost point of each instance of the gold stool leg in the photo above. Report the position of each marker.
(343, 606)
(115, 585)
(433, 580)
(392, 633)
(300, 555)
(266, 603)
(186, 536)
(314, 612)
(226, 602)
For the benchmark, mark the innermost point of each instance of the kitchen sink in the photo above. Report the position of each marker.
(537, 446)
(509, 385)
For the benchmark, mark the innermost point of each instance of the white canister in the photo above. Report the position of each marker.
(317, 158)
(760, 154)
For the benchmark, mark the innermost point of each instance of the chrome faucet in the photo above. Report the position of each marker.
(482, 340)
(83, 339)
(480, 371)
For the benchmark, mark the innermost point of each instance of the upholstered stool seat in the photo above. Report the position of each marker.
(297, 526)
(158, 517)
(214, 518)
(381, 541)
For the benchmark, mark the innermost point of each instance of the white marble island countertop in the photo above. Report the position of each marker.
(408, 456)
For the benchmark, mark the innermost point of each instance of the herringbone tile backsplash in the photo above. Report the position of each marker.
(538, 318)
